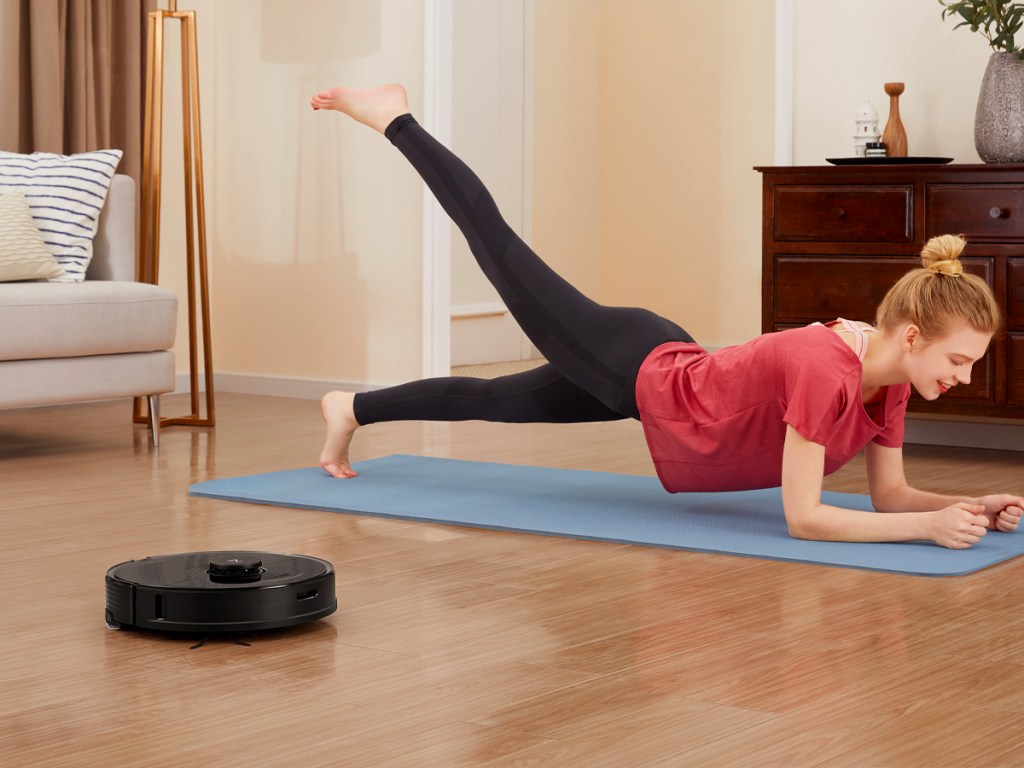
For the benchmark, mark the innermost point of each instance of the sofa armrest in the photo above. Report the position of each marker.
(113, 249)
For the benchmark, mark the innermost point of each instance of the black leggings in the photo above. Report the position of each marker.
(593, 352)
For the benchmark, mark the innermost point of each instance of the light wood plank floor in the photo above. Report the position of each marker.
(457, 647)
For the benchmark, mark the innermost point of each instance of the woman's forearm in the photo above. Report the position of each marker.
(828, 523)
(908, 499)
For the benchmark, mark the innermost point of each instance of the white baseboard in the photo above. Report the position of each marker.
(997, 434)
(483, 309)
(272, 386)
(484, 333)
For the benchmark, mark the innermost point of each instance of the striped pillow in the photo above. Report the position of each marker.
(65, 194)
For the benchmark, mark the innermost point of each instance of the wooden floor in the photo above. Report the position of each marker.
(457, 647)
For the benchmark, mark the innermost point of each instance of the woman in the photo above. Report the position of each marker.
(784, 409)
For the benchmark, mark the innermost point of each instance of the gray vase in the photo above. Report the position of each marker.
(999, 119)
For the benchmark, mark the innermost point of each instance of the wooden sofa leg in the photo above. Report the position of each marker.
(154, 418)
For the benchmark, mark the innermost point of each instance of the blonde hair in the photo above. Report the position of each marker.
(939, 293)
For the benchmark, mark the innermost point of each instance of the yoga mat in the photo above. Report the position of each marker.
(595, 505)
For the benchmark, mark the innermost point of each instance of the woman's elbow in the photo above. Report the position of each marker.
(812, 522)
(800, 525)
(885, 501)
(880, 504)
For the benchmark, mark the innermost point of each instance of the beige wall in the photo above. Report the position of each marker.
(686, 111)
(844, 52)
(567, 140)
(315, 222)
(648, 125)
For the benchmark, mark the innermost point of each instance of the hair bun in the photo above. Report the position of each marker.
(942, 255)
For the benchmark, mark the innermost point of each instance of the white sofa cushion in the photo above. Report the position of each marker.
(97, 317)
(78, 379)
(66, 194)
(96, 378)
(23, 254)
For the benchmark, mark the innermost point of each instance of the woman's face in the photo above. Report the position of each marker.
(934, 366)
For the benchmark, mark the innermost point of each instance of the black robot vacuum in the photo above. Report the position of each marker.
(219, 592)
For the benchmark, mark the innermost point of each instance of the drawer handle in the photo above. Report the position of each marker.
(998, 213)
(839, 213)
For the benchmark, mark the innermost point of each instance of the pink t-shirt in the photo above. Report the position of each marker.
(718, 422)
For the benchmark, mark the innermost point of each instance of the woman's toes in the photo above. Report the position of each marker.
(339, 470)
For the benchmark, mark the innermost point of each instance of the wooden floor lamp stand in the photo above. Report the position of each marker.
(195, 216)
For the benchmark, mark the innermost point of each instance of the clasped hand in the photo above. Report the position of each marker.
(962, 525)
(1002, 511)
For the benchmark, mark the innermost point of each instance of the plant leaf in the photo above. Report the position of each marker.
(998, 20)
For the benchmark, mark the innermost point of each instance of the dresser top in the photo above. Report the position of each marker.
(996, 168)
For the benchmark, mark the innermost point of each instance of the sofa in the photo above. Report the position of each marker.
(106, 337)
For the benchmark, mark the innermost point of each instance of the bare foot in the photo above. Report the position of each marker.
(338, 413)
(375, 107)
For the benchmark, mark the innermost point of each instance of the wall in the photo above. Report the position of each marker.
(567, 140)
(647, 128)
(315, 222)
(844, 52)
(686, 111)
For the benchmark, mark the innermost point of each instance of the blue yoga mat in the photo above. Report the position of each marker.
(594, 505)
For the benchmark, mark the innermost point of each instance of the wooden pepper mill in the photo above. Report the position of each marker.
(894, 136)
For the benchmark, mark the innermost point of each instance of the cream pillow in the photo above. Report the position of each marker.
(23, 254)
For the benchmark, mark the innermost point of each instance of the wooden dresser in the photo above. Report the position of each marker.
(835, 238)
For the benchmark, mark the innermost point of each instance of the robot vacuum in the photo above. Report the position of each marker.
(219, 592)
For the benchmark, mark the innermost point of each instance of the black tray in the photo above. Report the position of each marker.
(889, 160)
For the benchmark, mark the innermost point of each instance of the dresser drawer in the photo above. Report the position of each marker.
(1015, 294)
(993, 213)
(816, 288)
(850, 214)
(810, 288)
(1015, 370)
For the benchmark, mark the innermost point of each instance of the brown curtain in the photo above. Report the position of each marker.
(72, 76)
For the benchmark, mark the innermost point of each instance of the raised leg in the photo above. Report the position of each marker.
(597, 348)
(594, 351)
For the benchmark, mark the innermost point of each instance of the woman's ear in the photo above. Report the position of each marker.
(911, 337)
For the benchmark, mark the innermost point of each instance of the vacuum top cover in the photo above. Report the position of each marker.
(220, 570)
